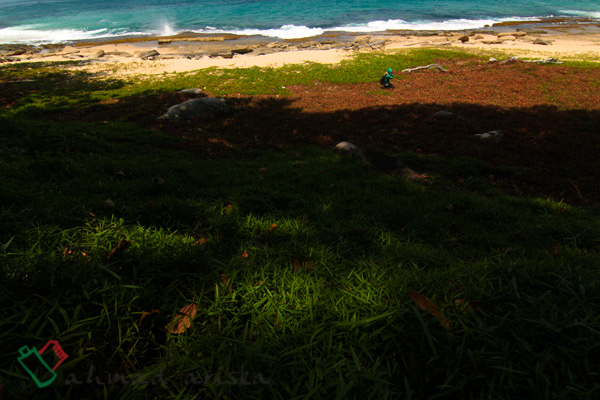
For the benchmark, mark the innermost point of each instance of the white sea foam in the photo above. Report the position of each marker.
(35, 35)
(167, 30)
(30, 35)
(449, 25)
(285, 32)
(579, 13)
(296, 32)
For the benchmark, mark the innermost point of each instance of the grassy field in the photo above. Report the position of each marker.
(308, 273)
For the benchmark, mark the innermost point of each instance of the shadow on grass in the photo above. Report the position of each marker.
(545, 152)
(298, 258)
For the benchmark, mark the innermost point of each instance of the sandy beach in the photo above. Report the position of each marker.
(575, 40)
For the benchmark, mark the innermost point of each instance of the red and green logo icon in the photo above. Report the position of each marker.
(37, 367)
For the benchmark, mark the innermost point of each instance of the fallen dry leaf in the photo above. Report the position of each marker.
(119, 250)
(73, 250)
(244, 254)
(182, 319)
(225, 283)
(146, 314)
(297, 264)
(424, 304)
(272, 228)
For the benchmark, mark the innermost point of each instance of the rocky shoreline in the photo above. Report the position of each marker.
(548, 37)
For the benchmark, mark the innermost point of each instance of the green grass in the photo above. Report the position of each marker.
(316, 307)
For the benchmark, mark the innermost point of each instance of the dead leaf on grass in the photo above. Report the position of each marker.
(224, 278)
(183, 319)
(119, 250)
(73, 250)
(146, 315)
(272, 228)
(423, 303)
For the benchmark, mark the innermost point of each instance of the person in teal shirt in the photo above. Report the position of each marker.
(385, 80)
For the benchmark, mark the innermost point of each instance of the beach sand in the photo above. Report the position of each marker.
(577, 39)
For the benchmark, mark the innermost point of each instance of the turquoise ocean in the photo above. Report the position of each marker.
(52, 21)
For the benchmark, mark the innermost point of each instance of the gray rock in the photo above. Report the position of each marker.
(242, 50)
(194, 91)
(444, 115)
(222, 53)
(496, 136)
(380, 44)
(510, 60)
(542, 42)
(347, 146)
(149, 55)
(204, 108)
(545, 61)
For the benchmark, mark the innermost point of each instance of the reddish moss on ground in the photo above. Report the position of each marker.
(549, 115)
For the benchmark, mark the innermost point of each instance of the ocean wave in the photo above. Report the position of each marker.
(297, 32)
(35, 35)
(30, 35)
(284, 32)
(579, 13)
(448, 25)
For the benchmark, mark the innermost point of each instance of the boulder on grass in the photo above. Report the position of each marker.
(193, 91)
(203, 108)
(496, 136)
(347, 147)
